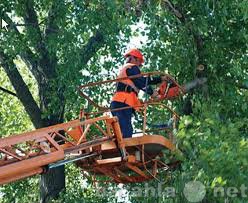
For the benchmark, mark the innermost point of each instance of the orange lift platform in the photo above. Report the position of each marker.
(95, 144)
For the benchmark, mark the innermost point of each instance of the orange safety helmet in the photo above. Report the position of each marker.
(136, 53)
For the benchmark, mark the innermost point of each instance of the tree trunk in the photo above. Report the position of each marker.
(52, 103)
(51, 184)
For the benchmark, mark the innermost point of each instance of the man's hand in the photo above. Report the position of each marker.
(164, 78)
(155, 95)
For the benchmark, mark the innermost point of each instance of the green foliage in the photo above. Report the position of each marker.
(13, 118)
(213, 139)
(215, 149)
(21, 191)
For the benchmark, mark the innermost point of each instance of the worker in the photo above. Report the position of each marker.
(127, 90)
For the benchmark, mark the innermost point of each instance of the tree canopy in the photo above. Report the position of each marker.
(49, 48)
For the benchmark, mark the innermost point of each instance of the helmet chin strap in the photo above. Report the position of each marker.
(134, 60)
(129, 59)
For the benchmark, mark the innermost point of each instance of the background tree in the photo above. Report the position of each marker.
(66, 43)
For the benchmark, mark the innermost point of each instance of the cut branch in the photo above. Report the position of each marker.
(198, 38)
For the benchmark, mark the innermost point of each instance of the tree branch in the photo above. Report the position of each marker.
(175, 11)
(200, 69)
(22, 90)
(30, 17)
(127, 5)
(51, 26)
(26, 55)
(93, 45)
(8, 92)
(198, 39)
(46, 62)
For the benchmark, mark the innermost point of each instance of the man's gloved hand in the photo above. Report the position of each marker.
(155, 95)
(165, 78)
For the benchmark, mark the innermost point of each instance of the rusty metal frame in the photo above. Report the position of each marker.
(143, 106)
(32, 158)
(104, 109)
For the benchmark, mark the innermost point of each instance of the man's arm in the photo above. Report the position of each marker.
(143, 82)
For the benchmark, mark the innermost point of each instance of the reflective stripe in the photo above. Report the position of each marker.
(129, 98)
